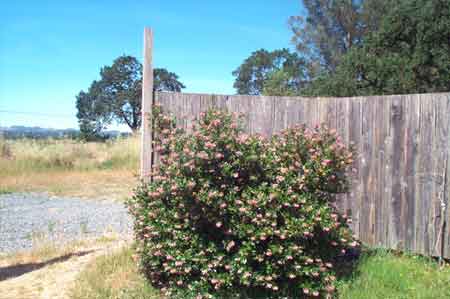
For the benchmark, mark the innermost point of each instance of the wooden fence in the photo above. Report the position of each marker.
(401, 189)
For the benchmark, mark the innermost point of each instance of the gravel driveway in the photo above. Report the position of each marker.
(28, 218)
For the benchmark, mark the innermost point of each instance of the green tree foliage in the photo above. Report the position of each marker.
(93, 116)
(117, 96)
(281, 83)
(410, 53)
(253, 73)
(331, 28)
(327, 32)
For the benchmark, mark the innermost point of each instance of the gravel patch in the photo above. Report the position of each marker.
(26, 219)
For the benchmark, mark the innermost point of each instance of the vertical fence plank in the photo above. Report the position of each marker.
(446, 196)
(387, 173)
(435, 177)
(423, 176)
(440, 162)
(415, 177)
(410, 170)
(420, 227)
(147, 102)
(378, 147)
(396, 116)
(366, 173)
(355, 136)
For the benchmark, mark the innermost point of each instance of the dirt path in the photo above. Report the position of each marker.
(52, 278)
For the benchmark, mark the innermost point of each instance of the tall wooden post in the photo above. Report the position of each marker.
(147, 103)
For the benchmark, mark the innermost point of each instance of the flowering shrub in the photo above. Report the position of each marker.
(231, 215)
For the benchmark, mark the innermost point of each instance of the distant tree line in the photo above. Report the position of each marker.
(356, 47)
(19, 132)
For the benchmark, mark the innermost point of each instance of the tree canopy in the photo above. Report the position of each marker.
(255, 71)
(281, 83)
(357, 47)
(410, 53)
(117, 95)
(331, 28)
(322, 37)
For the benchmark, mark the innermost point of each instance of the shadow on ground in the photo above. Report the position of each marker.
(21, 269)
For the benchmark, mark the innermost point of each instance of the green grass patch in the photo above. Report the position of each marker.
(379, 275)
(113, 276)
(385, 275)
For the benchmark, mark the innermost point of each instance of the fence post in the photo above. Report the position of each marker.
(147, 102)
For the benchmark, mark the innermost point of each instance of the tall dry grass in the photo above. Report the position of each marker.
(69, 167)
(31, 155)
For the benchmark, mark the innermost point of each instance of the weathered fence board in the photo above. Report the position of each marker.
(403, 151)
(446, 183)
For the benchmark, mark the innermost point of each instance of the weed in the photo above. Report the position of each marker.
(51, 226)
(84, 227)
(35, 236)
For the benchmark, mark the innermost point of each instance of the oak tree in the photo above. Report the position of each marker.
(117, 95)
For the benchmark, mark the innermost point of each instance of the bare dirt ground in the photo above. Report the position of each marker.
(43, 246)
(49, 278)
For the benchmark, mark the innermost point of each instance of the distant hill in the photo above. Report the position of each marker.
(38, 132)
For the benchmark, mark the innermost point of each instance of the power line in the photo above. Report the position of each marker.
(36, 113)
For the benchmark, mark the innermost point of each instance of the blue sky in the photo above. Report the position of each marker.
(50, 50)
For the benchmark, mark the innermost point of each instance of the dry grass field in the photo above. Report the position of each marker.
(70, 168)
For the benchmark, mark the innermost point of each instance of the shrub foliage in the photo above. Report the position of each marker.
(231, 215)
